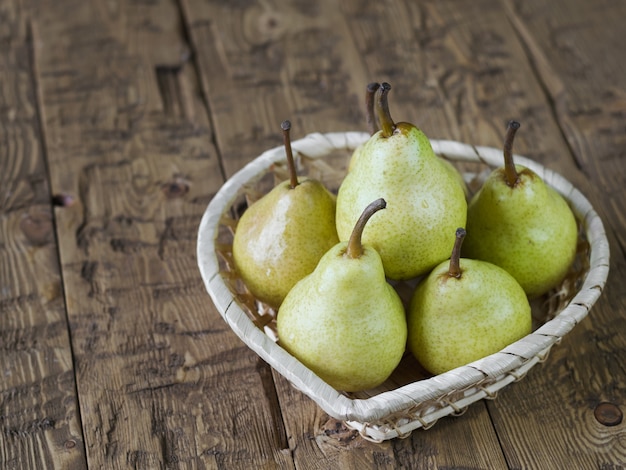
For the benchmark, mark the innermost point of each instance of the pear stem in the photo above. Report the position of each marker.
(370, 96)
(382, 109)
(455, 258)
(355, 247)
(293, 176)
(511, 175)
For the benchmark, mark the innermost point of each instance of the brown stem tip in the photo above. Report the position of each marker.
(355, 247)
(455, 258)
(382, 108)
(293, 176)
(370, 96)
(512, 177)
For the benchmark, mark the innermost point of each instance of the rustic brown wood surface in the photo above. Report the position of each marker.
(119, 120)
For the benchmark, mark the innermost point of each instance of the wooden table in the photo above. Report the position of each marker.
(120, 120)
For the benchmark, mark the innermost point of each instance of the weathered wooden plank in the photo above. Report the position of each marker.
(584, 75)
(163, 383)
(315, 76)
(577, 58)
(578, 76)
(318, 440)
(128, 138)
(39, 420)
(263, 62)
(458, 73)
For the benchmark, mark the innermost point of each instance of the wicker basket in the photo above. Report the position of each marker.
(411, 398)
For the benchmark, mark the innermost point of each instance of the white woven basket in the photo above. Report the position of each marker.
(411, 398)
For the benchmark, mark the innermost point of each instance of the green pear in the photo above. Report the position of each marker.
(464, 310)
(282, 236)
(454, 172)
(370, 94)
(344, 321)
(449, 167)
(425, 200)
(521, 224)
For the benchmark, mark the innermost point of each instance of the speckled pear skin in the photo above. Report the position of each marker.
(529, 230)
(453, 322)
(450, 168)
(355, 157)
(447, 165)
(344, 321)
(282, 236)
(425, 202)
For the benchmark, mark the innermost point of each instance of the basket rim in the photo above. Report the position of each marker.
(493, 368)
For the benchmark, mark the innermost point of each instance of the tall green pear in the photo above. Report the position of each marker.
(282, 236)
(425, 200)
(464, 310)
(372, 126)
(521, 224)
(344, 321)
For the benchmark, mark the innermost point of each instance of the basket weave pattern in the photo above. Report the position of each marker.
(411, 398)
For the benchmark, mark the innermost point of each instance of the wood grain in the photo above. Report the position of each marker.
(39, 423)
(130, 139)
(582, 385)
(316, 437)
(131, 115)
(584, 75)
(263, 63)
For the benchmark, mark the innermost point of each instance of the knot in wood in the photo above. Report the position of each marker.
(608, 414)
(63, 200)
(176, 188)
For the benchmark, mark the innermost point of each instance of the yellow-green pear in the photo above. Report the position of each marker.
(464, 310)
(456, 174)
(282, 236)
(344, 321)
(521, 224)
(425, 200)
(370, 95)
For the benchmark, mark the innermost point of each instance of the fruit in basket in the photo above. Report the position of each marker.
(424, 200)
(464, 310)
(281, 237)
(452, 170)
(521, 224)
(344, 321)
(372, 127)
